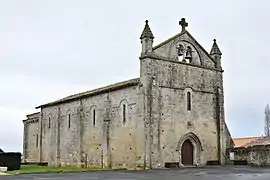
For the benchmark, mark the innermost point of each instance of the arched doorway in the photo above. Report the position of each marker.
(189, 147)
(187, 153)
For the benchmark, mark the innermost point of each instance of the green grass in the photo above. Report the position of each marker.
(49, 169)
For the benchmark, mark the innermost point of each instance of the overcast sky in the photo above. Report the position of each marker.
(53, 48)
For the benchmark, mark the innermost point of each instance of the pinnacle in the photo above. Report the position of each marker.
(215, 49)
(147, 33)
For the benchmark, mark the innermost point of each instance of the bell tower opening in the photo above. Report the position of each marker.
(180, 50)
(184, 53)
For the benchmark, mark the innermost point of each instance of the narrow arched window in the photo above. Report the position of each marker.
(68, 120)
(188, 101)
(124, 113)
(36, 140)
(94, 117)
(49, 122)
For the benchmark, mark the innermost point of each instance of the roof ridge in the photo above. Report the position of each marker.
(109, 87)
(249, 137)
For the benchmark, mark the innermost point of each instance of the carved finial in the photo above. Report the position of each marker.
(184, 24)
(147, 33)
(215, 49)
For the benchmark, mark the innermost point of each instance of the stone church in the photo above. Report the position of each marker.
(172, 115)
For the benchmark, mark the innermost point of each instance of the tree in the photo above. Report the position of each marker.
(267, 121)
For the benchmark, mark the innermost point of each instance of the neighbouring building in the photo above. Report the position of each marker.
(244, 141)
(173, 113)
(253, 151)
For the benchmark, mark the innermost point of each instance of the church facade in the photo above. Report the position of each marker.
(172, 114)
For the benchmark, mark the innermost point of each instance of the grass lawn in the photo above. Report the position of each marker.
(48, 169)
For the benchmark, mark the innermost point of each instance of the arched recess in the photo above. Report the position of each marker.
(93, 115)
(197, 147)
(173, 51)
(123, 112)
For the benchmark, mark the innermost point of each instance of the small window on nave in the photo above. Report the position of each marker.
(94, 117)
(68, 120)
(36, 140)
(49, 123)
(124, 113)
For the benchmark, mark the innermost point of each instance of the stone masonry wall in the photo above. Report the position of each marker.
(84, 141)
(31, 138)
(258, 155)
(166, 82)
(94, 131)
(170, 117)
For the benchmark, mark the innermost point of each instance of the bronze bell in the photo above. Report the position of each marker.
(180, 50)
(188, 56)
(188, 53)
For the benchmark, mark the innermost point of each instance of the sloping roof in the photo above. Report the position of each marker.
(191, 37)
(259, 141)
(242, 142)
(105, 89)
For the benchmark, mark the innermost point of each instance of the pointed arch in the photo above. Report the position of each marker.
(193, 138)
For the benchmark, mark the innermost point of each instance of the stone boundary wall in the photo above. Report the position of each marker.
(258, 155)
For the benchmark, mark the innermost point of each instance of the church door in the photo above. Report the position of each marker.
(187, 153)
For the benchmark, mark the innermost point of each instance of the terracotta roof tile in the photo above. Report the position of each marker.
(259, 141)
(241, 142)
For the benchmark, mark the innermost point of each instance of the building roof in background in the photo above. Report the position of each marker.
(260, 141)
(242, 142)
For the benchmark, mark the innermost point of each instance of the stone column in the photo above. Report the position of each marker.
(40, 135)
(106, 134)
(58, 140)
(220, 120)
(81, 132)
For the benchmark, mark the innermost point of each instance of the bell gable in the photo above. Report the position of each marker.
(183, 47)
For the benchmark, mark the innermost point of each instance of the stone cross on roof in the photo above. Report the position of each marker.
(184, 24)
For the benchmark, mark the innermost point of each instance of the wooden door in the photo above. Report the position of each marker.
(187, 153)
